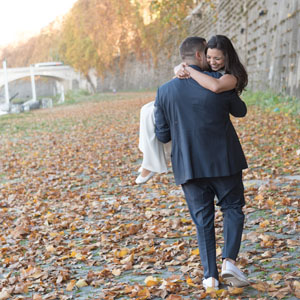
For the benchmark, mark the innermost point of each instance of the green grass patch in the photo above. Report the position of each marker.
(76, 96)
(79, 96)
(273, 102)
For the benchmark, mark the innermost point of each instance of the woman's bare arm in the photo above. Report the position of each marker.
(217, 85)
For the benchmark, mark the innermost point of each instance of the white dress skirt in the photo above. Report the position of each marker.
(155, 153)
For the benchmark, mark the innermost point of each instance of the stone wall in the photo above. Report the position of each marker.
(266, 34)
(139, 75)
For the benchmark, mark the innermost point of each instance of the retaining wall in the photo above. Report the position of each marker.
(266, 34)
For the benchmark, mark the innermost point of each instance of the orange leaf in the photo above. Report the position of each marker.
(174, 297)
(122, 253)
(264, 224)
(143, 294)
(190, 282)
(259, 197)
(71, 285)
(152, 281)
(195, 252)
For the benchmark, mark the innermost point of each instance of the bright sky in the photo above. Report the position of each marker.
(24, 17)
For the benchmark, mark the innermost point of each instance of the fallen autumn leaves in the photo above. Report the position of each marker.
(75, 226)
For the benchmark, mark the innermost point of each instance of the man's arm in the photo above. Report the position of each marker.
(237, 106)
(162, 129)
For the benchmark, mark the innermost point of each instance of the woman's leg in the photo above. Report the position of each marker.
(154, 158)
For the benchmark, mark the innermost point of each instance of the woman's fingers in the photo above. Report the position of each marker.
(183, 74)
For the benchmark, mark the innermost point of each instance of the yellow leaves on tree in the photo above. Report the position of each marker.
(97, 32)
(162, 19)
(101, 34)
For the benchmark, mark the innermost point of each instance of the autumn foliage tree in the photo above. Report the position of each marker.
(99, 33)
(164, 20)
(96, 32)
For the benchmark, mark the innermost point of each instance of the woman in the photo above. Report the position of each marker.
(221, 57)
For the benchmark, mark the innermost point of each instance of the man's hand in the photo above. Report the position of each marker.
(181, 72)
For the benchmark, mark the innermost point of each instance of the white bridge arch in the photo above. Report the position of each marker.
(66, 74)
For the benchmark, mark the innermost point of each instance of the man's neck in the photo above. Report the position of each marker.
(197, 65)
(193, 62)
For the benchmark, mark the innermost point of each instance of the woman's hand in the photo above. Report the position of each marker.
(181, 71)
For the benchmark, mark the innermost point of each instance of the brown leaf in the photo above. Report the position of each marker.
(20, 232)
(235, 290)
(21, 288)
(143, 294)
(261, 286)
(293, 242)
(296, 286)
(276, 277)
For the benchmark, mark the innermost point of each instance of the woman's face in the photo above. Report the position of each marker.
(215, 58)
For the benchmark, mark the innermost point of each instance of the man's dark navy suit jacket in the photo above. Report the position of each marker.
(204, 141)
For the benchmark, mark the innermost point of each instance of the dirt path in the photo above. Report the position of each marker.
(75, 226)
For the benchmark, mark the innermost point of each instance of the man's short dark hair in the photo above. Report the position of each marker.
(191, 45)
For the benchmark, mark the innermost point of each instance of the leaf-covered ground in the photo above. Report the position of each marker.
(74, 225)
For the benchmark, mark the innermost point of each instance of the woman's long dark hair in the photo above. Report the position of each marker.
(232, 62)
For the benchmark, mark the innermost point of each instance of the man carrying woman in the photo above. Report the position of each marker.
(221, 57)
(207, 157)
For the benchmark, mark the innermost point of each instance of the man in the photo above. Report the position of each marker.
(207, 159)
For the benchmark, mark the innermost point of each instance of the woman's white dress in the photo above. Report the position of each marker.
(155, 153)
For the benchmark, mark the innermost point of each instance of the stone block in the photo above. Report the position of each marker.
(47, 103)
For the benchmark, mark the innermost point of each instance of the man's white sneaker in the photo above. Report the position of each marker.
(233, 275)
(211, 283)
